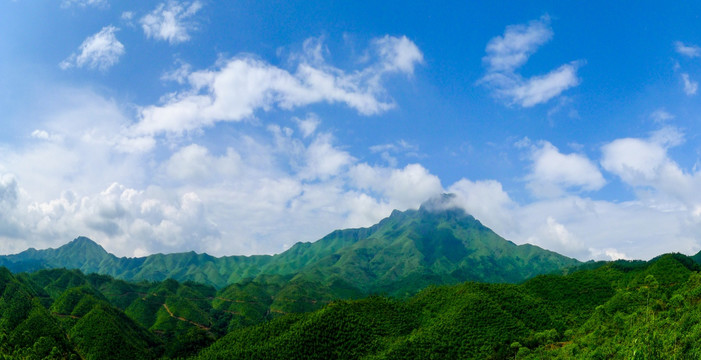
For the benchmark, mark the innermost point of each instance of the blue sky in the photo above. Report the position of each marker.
(244, 127)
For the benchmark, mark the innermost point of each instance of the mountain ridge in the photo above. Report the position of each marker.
(436, 244)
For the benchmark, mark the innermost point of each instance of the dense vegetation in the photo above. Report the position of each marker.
(400, 255)
(614, 310)
(618, 310)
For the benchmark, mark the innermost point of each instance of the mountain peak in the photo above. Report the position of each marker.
(84, 245)
(82, 241)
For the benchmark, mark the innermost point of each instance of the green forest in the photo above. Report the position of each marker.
(605, 310)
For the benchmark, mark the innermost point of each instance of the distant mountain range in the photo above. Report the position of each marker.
(403, 253)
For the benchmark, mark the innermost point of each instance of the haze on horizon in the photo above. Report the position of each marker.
(242, 128)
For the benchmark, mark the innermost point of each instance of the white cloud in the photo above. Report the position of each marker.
(240, 86)
(387, 151)
(254, 196)
(645, 165)
(539, 89)
(507, 53)
(323, 160)
(554, 172)
(8, 192)
(407, 187)
(554, 236)
(609, 254)
(398, 54)
(258, 195)
(581, 227)
(690, 86)
(194, 164)
(170, 21)
(661, 116)
(487, 201)
(84, 3)
(178, 74)
(690, 51)
(99, 51)
(308, 125)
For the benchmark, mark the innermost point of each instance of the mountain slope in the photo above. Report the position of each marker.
(27, 330)
(612, 310)
(403, 253)
(415, 248)
(616, 310)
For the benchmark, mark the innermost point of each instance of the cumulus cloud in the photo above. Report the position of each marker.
(690, 51)
(9, 193)
(262, 194)
(99, 51)
(195, 164)
(554, 236)
(553, 172)
(580, 227)
(170, 21)
(240, 86)
(405, 187)
(690, 86)
(256, 195)
(507, 53)
(645, 165)
(487, 201)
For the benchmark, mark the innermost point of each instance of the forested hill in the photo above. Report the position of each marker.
(402, 254)
(614, 310)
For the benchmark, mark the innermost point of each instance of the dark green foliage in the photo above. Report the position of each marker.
(106, 333)
(27, 330)
(620, 310)
(615, 310)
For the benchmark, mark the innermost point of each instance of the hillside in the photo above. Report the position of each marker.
(618, 310)
(615, 310)
(400, 255)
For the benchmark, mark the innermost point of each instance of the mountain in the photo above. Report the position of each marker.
(412, 249)
(436, 244)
